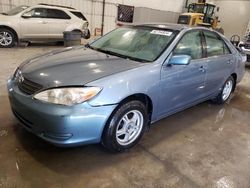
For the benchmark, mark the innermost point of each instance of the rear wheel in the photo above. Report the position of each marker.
(7, 38)
(125, 127)
(87, 36)
(226, 91)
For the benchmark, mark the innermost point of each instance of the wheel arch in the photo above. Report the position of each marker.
(77, 30)
(145, 99)
(11, 29)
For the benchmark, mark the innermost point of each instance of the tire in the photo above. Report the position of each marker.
(87, 36)
(7, 38)
(226, 92)
(122, 132)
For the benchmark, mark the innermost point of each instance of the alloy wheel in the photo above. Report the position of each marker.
(5, 38)
(227, 90)
(129, 127)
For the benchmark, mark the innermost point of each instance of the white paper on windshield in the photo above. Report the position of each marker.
(161, 32)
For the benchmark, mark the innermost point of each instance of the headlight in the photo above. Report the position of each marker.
(68, 96)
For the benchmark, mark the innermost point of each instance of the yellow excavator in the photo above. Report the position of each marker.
(201, 14)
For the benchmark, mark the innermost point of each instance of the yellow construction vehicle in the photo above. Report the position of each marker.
(201, 14)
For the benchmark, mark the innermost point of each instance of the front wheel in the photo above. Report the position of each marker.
(226, 91)
(125, 127)
(7, 38)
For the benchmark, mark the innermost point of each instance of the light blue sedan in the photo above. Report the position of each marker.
(113, 89)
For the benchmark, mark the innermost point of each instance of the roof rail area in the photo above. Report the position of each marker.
(56, 6)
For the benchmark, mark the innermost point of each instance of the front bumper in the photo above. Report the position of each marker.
(58, 124)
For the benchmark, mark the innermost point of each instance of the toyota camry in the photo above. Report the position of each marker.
(112, 89)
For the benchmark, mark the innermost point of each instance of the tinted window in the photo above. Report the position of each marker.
(38, 13)
(215, 45)
(190, 44)
(57, 14)
(79, 15)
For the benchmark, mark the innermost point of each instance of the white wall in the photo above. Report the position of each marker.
(92, 9)
(167, 5)
(234, 16)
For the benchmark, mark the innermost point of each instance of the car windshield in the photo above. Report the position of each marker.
(144, 44)
(16, 10)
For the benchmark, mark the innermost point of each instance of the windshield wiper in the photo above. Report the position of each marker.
(119, 55)
(4, 13)
(88, 46)
(116, 54)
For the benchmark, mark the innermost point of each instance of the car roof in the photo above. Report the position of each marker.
(172, 26)
(162, 25)
(55, 6)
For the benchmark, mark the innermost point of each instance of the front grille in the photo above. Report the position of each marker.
(248, 39)
(248, 58)
(28, 86)
(247, 46)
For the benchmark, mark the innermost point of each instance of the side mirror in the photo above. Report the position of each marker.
(26, 15)
(179, 60)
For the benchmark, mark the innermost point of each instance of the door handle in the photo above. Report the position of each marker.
(43, 22)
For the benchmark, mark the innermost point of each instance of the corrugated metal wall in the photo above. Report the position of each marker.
(143, 14)
(92, 9)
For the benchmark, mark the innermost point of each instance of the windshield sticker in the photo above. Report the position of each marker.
(161, 32)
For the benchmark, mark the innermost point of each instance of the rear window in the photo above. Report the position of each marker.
(79, 15)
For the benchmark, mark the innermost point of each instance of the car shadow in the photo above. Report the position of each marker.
(248, 65)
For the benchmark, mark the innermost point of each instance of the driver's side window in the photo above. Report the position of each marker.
(37, 13)
(190, 44)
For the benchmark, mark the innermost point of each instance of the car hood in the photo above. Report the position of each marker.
(3, 17)
(7, 17)
(73, 66)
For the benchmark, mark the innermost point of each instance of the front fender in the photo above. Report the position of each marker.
(12, 27)
(119, 86)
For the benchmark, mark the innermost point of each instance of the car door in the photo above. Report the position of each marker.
(34, 24)
(220, 61)
(58, 21)
(182, 85)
